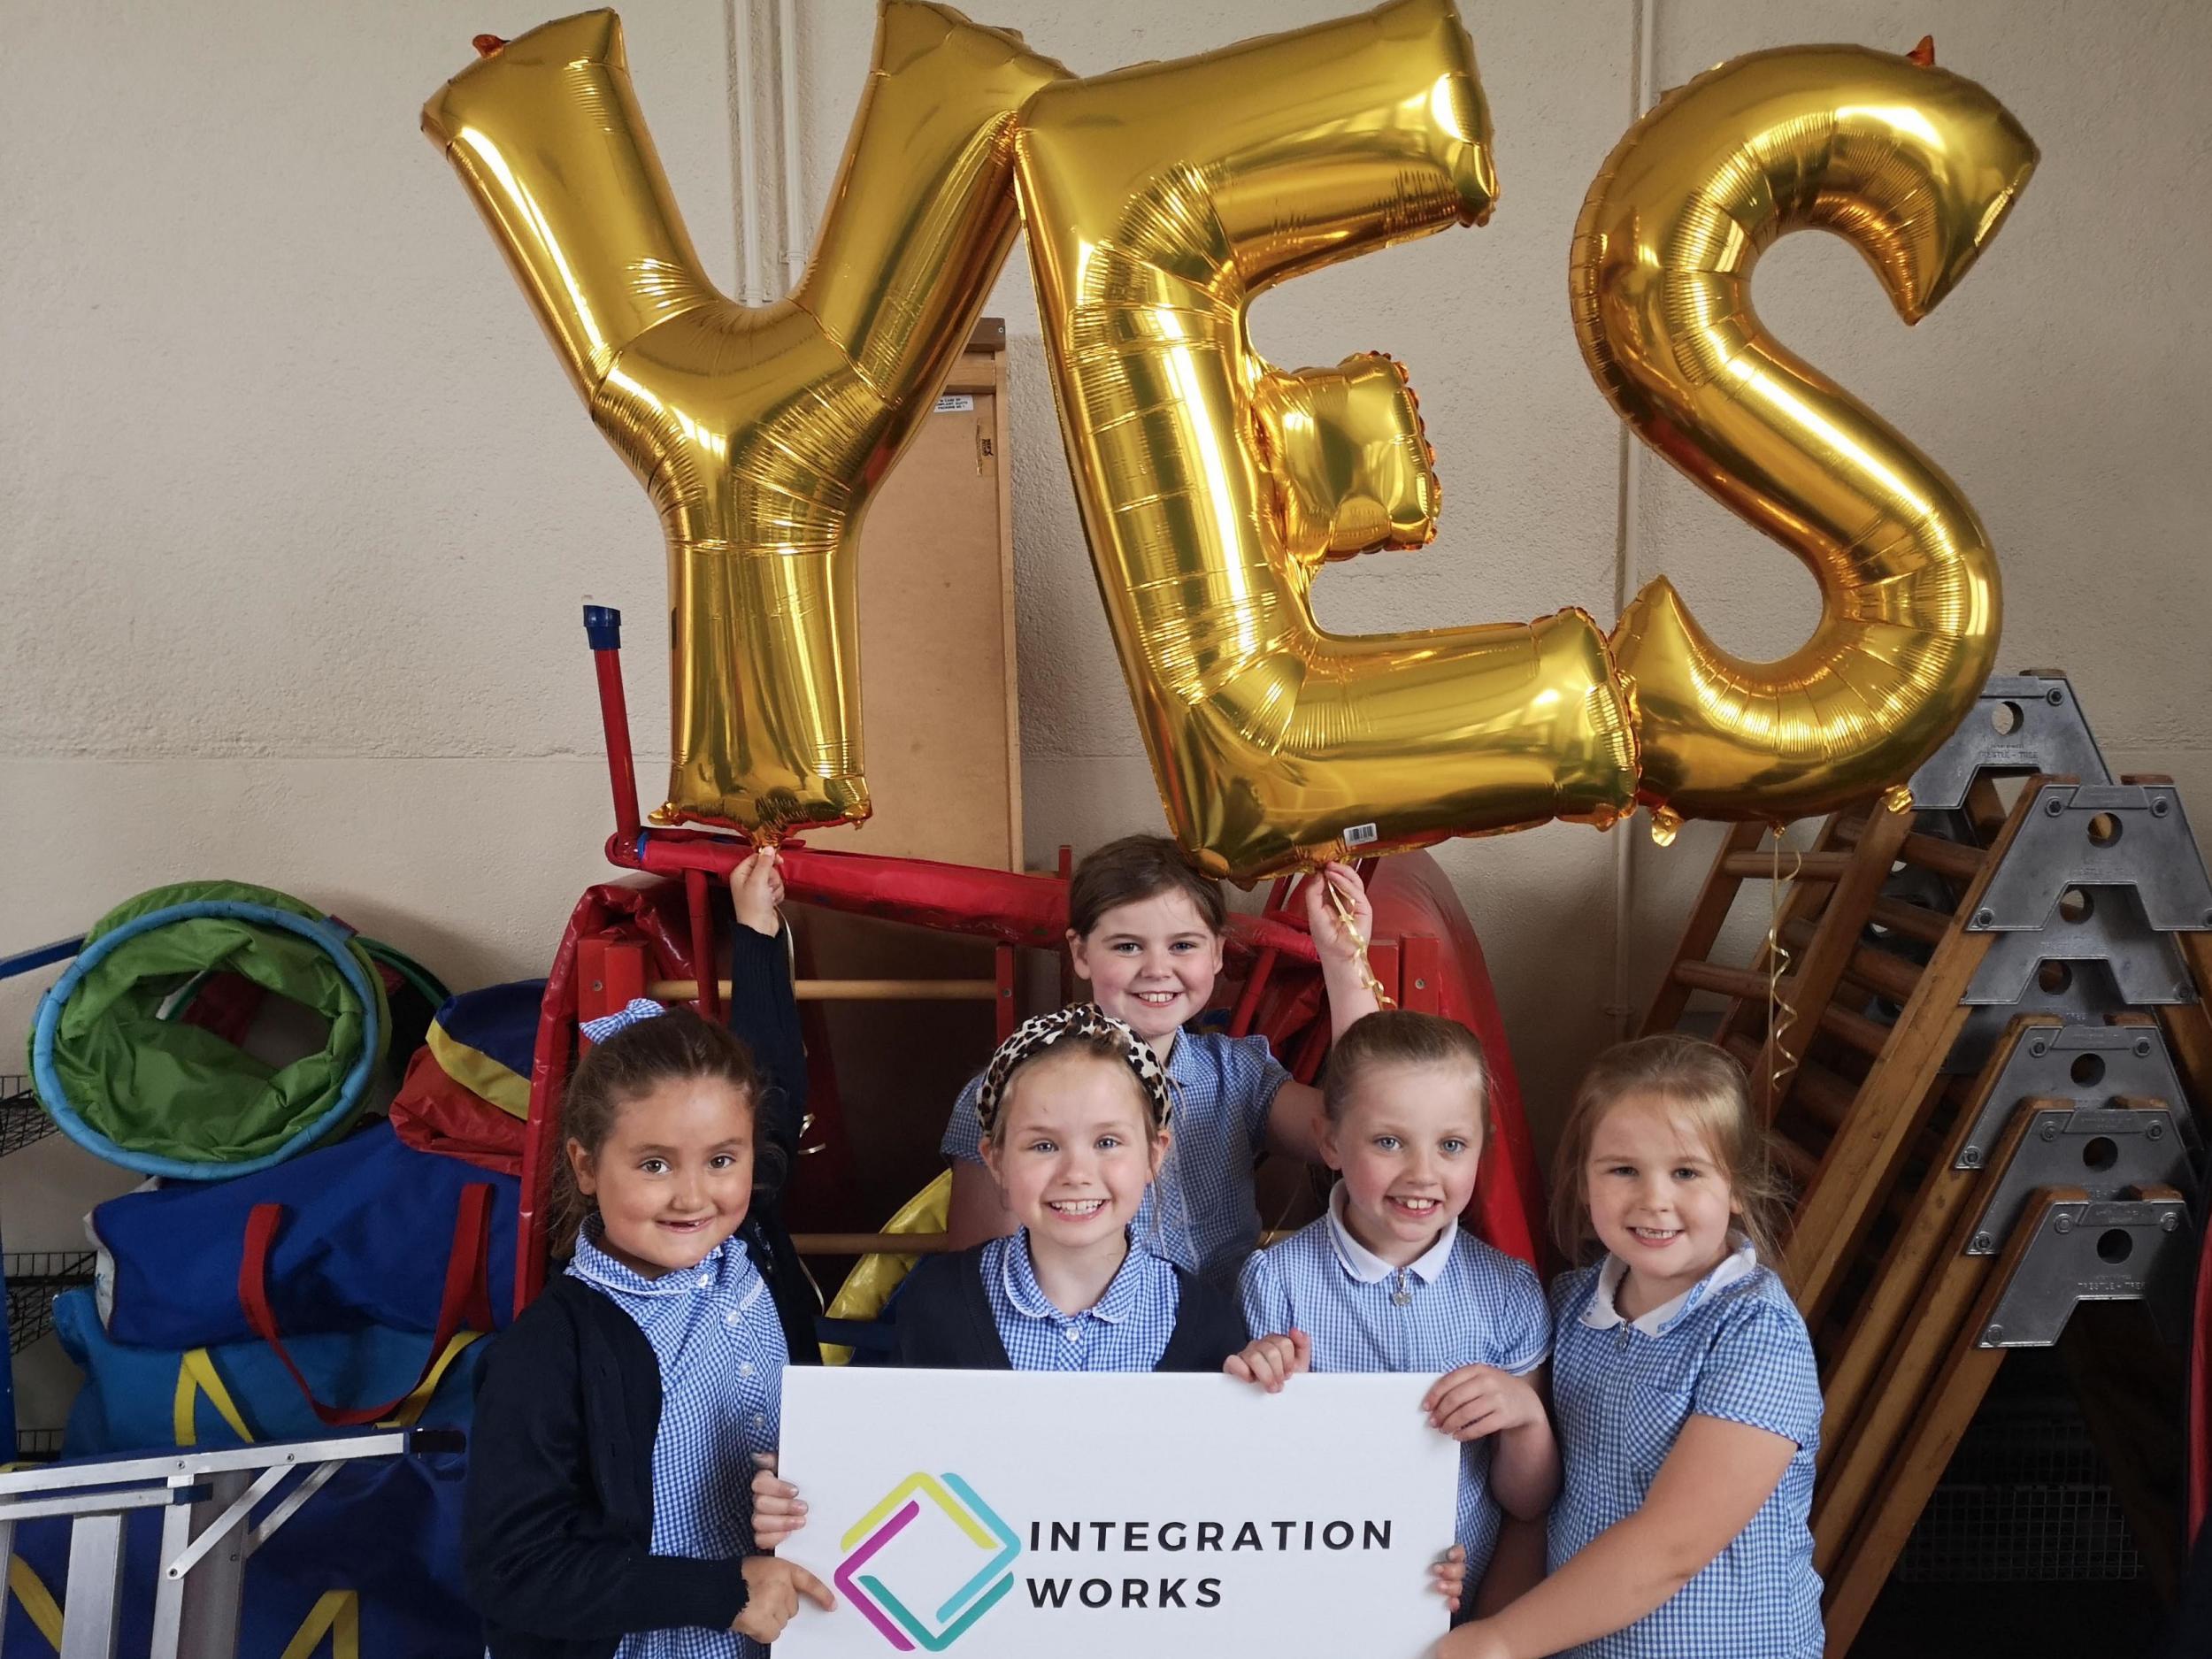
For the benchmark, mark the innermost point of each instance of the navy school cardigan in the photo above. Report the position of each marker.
(944, 1320)
(556, 1527)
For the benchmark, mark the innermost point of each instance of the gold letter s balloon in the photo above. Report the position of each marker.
(759, 433)
(1159, 202)
(1917, 168)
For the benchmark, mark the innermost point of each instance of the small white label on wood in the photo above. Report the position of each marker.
(955, 404)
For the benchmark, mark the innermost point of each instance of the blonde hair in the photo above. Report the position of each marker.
(1396, 1036)
(1706, 1087)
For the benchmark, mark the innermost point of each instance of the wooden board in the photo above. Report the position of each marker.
(944, 759)
(943, 743)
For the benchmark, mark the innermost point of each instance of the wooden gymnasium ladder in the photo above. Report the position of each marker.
(1977, 1048)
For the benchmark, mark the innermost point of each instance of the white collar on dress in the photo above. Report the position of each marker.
(592, 1262)
(1018, 1274)
(1370, 1269)
(1601, 1315)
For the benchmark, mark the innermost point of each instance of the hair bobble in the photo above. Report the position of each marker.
(640, 1008)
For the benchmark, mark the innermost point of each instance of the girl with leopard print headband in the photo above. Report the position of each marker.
(1075, 1111)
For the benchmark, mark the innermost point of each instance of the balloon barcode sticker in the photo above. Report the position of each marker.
(1360, 836)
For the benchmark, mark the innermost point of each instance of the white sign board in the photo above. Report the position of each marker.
(1000, 1515)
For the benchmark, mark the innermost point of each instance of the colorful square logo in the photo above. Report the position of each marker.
(893, 1613)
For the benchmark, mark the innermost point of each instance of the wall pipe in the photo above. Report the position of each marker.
(793, 204)
(1628, 543)
(745, 152)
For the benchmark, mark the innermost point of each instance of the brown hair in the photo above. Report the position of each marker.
(1397, 1036)
(1135, 868)
(1706, 1085)
(635, 1060)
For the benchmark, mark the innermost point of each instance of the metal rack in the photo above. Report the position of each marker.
(31, 1278)
(38, 1446)
(35, 1278)
(2026, 1500)
(22, 1119)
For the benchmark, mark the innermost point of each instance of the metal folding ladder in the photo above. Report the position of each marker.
(207, 1499)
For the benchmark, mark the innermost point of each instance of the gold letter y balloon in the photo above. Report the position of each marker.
(1159, 202)
(759, 433)
(1917, 168)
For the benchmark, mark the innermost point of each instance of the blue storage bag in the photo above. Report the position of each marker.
(368, 1229)
(139, 1400)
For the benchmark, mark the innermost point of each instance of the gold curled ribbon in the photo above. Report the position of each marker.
(1383, 999)
(1780, 1010)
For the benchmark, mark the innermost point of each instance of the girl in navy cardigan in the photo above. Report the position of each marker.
(606, 1509)
(1074, 1111)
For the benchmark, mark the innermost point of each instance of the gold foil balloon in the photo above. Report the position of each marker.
(1917, 168)
(1159, 201)
(759, 433)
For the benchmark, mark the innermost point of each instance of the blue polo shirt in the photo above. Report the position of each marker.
(1461, 1303)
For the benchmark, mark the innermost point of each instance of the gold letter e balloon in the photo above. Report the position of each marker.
(1159, 202)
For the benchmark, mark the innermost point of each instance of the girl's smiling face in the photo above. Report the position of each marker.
(1077, 1149)
(1658, 1198)
(1150, 963)
(1409, 1144)
(674, 1176)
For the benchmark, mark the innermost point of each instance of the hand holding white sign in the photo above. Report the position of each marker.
(1273, 1361)
(772, 1589)
(778, 1508)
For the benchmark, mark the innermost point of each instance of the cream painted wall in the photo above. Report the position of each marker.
(298, 507)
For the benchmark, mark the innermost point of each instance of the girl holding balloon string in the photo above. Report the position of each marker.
(1145, 933)
(607, 1514)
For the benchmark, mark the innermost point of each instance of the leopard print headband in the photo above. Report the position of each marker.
(1085, 1020)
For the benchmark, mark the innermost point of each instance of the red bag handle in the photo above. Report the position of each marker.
(465, 1304)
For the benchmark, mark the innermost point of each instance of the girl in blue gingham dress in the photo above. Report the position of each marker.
(1388, 1281)
(1688, 1406)
(606, 1515)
